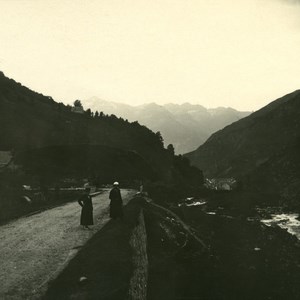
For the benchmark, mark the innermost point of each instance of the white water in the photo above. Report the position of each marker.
(285, 221)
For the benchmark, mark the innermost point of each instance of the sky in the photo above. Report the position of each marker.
(233, 53)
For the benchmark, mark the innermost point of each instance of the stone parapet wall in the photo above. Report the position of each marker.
(138, 242)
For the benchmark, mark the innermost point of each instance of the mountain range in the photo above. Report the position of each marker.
(185, 126)
(262, 150)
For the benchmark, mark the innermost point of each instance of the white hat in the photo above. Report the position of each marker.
(116, 183)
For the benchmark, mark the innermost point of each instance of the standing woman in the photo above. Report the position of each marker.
(85, 201)
(116, 202)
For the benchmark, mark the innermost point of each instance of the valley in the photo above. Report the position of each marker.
(220, 222)
(149, 150)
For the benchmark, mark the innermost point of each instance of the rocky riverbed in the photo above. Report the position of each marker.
(287, 221)
(245, 258)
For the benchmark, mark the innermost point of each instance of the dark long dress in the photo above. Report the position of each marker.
(116, 203)
(86, 217)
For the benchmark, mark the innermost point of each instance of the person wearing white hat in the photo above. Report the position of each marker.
(116, 202)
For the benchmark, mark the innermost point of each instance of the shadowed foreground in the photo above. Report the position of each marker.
(36, 248)
(105, 261)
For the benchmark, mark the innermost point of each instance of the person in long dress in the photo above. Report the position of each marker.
(85, 201)
(116, 202)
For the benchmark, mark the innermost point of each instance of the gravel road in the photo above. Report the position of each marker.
(36, 248)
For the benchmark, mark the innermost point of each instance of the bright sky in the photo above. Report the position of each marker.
(238, 53)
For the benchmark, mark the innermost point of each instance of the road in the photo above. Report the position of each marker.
(35, 249)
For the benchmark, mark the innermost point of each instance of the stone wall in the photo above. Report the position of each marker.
(138, 242)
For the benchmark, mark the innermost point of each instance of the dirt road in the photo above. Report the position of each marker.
(34, 249)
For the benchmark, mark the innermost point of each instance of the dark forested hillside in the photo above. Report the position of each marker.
(30, 120)
(261, 149)
(40, 131)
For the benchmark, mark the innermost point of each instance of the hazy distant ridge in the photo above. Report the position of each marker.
(186, 126)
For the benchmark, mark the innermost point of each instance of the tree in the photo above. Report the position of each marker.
(96, 114)
(171, 149)
(160, 138)
(88, 112)
(77, 103)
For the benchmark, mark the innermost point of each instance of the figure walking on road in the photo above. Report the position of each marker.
(116, 202)
(85, 201)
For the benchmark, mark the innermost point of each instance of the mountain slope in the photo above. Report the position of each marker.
(38, 129)
(261, 149)
(185, 126)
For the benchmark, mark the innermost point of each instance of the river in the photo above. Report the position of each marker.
(287, 221)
